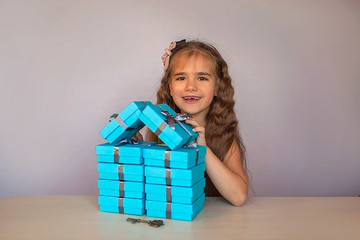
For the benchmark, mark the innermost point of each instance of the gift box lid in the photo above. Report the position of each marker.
(119, 209)
(125, 124)
(176, 207)
(124, 177)
(133, 150)
(168, 192)
(175, 173)
(174, 176)
(175, 210)
(185, 157)
(113, 133)
(121, 168)
(132, 112)
(156, 121)
(117, 193)
(123, 159)
(124, 172)
(123, 202)
(121, 185)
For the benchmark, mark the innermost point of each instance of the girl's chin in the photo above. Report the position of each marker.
(192, 112)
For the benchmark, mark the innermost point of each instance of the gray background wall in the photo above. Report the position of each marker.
(65, 66)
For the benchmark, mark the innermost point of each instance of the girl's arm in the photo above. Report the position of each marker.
(228, 176)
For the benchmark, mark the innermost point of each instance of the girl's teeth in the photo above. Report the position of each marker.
(192, 98)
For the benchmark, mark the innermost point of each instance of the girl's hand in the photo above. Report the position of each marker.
(198, 129)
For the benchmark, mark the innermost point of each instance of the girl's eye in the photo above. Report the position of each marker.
(180, 78)
(202, 78)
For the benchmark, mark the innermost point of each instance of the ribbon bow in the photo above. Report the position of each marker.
(181, 117)
(170, 121)
(127, 141)
(113, 117)
(191, 145)
(117, 146)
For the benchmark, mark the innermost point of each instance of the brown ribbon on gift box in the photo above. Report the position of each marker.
(117, 148)
(167, 176)
(167, 154)
(167, 159)
(121, 205)
(168, 193)
(160, 128)
(116, 154)
(121, 123)
(194, 146)
(121, 172)
(121, 189)
(168, 210)
(197, 156)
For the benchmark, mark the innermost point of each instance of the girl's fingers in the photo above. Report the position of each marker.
(192, 123)
(200, 130)
(196, 127)
(201, 138)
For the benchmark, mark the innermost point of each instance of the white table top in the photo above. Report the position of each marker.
(78, 217)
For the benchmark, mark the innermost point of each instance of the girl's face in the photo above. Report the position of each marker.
(193, 85)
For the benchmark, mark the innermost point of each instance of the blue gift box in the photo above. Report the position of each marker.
(121, 189)
(173, 134)
(184, 158)
(125, 124)
(174, 194)
(124, 172)
(174, 177)
(123, 153)
(122, 205)
(176, 211)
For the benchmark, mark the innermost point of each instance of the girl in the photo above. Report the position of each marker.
(196, 80)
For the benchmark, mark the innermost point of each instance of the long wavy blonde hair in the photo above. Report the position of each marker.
(221, 128)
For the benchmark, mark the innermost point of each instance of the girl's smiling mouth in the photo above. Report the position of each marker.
(191, 99)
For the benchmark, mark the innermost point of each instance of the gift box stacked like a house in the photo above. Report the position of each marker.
(175, 182)
(165, 181)
(174, 174)
(121, 165)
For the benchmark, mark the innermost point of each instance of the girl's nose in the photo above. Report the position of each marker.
(190, 85)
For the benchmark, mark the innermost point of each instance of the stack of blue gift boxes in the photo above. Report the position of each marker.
(161, 180)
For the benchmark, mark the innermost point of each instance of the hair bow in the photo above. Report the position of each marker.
(168, 51)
